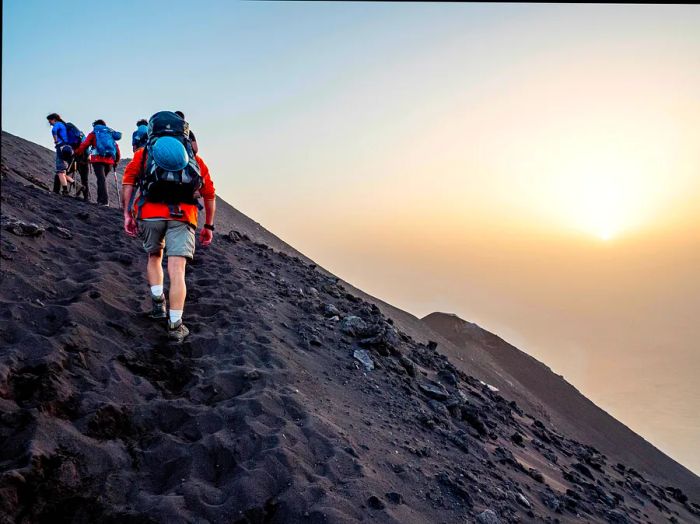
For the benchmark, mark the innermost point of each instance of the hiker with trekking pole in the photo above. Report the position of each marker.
(64, 153)
(105, 155)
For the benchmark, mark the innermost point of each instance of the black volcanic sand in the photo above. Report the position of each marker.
(263, 415)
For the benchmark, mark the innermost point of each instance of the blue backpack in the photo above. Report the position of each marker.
(105, 141)
(75, 136)
(140, 136)
(164, 183)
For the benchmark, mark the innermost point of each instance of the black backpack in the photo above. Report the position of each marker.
(169, 187)
(75, 136)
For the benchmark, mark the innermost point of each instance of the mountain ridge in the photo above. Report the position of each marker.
(558, 396)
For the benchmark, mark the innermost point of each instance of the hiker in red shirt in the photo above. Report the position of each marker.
(170, 178)
(105, 155)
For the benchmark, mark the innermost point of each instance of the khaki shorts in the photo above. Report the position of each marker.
(176, 237)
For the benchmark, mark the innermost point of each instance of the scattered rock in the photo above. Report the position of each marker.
(583, 470)
(488, 517)
(394, 498)
(447, 377)
(329, 310)
(472, 415)
(432, 346)
(433, 390)
(517, 439)
(677, 494)
(550, 500)
(375, 502)
(535, 474)
(352, 325)
(364, 358)
(234, 236)
(61, 232)
(386, 339)
(439, 408)
(20, 228)
(616, 517)
(455, 487)
(253, 374)
(523, 501)
(408, 365)
(489, 387)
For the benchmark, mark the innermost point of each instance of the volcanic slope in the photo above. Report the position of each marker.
(264, 414)
(470, 348)
(554, 399)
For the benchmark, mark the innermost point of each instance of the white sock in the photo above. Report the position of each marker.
(175, 315)
(157, 291)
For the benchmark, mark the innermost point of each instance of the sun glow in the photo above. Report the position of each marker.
(602, 208)
(605, 197)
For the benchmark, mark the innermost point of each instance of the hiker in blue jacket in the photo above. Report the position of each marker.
(140, 136)
(64, 152)
(105, 155)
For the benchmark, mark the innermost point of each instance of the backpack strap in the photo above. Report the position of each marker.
(139, 185)
(175, 211)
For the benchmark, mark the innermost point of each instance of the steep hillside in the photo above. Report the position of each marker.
(294, 400)
(560, 401)
(31, 163)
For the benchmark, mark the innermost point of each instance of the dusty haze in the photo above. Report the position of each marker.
(617, 319)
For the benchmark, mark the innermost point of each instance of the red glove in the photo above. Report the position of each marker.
(206, 236)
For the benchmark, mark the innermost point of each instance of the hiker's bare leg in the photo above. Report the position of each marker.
(62, 178)
(154, 269)
(178, 289)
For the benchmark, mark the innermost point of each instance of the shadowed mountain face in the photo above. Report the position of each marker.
(522, 376)
(296, 398)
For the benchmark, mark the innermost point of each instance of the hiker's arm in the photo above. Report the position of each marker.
(206, 235)
(127, 191)
(87, 142)
(130, 226)
(209, 211)
(131, 174)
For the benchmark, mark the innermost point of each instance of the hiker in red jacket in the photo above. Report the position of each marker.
(105, 155)
(170, 178)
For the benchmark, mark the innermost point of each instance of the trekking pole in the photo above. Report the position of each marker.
(116, 185)
(71, 174)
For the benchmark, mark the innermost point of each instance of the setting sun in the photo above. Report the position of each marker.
(606, 196)
(601, 208)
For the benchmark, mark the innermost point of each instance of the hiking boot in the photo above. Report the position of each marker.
(177, 331)
(158, 308)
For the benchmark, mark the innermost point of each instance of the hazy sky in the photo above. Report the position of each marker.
(532, 168)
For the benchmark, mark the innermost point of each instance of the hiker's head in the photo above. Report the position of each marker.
(142, 122)
(99, 122)
(53, 118)
(180, 114)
